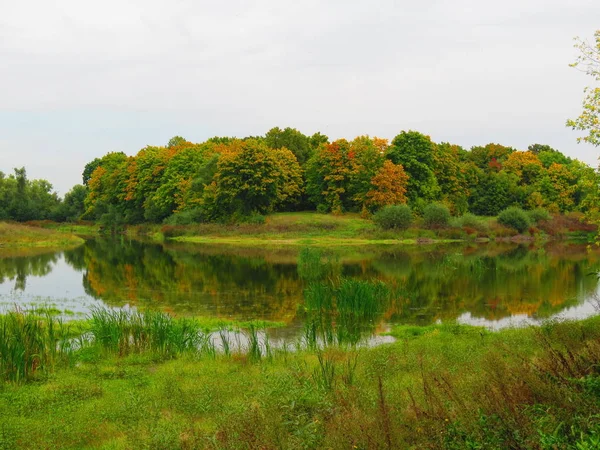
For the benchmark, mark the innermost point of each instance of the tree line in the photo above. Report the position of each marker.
(231, 179)
(22, 199)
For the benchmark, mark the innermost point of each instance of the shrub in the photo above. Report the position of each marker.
(322, 209)
(170, 231)
(255, 218)
(514, 217)
(469, 220)
(187, 217)
(393, 216)
(436, 215)
(538, 214)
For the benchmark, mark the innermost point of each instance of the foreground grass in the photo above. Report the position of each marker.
(18, 235)
(437, 387)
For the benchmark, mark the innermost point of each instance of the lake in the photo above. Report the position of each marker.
(493, 285)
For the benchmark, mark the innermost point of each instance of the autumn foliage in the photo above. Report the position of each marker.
(228, 179)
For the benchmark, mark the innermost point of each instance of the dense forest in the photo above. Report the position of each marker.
(230, 179)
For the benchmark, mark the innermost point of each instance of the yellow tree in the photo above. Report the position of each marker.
(588, 61)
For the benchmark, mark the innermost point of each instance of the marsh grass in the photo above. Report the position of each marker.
(20, 235)
(449, 386)
(123, 331)
(343, 311)
(31, 342)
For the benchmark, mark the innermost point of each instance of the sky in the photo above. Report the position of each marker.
(79, 78)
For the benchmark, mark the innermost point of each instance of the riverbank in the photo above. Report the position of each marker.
(326, 230)
(13, 235)
(444, 386)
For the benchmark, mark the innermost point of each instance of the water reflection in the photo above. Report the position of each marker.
(16, 269)
(485, 284)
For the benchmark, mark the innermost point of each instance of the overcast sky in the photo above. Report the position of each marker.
(80, 78)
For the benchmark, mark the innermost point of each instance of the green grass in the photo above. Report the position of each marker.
(31, 342)
(344, 230)
(447, 386)
(14, 235)
(80, 229)
(301, 229)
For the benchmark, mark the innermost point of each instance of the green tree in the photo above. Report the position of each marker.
(22, 199)
(89, 170)
(107, 186)
(177, 182)
(144, 178)
(493, 193)
(252, 178)
(292, 139)
(450, 174)
(415, 152)
(588, 61)
(73, 205)
(317, 139)
(327, 174)
(490, 156)
(176, 141)
(364, 162)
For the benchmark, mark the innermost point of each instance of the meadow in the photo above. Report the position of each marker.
(121, 380)
(20, 235)
(350, 229)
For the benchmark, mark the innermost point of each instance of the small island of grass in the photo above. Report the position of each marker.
(14, 235)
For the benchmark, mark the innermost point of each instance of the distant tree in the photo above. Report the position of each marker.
(292, 139)
(252, 178)
(318, 139)
(388, 186)
(415, 152)
(536, 149)
(22, 199)
(494, 154)
(525, 165)
(364, 160)
(493, 193)
(449, 171)
(73, 205)
(174, 191)
(107, 186)
(176, 141)
(89, 170)
(327, 176)
(564, 186)
(144, 179)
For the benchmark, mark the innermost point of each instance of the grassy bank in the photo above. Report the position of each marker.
(145, 382)
(14, 235)
(328, 230)
(308, 228)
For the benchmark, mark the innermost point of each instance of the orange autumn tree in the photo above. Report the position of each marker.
(388, 186)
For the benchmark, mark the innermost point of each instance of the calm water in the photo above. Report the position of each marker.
(490, 284)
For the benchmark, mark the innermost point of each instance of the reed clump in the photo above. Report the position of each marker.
(31, 342)
(123, 332)
(343, 311)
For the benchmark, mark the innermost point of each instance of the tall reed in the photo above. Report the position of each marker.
(342, 312)
(123, 332)
(30, 342)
